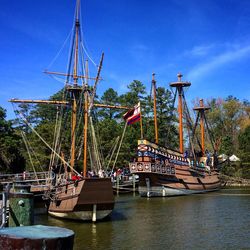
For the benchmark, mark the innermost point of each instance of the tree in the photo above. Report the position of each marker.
(135, 94)
(225, 118)
(244, 144)
(11, 160)
(109, 97)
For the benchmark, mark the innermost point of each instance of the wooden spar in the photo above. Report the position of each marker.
(65, 74)
(201, 109)
(85, 129)
(155, 113)
(180, 85)
(98, 105)
(96, 81)
(39, 102)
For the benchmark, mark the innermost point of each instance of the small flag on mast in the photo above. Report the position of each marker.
(133, 115)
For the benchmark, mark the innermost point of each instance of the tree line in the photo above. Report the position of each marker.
(228, 119)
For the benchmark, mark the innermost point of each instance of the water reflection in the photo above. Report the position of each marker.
(212, 221)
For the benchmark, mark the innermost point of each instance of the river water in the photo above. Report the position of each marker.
(218, 220)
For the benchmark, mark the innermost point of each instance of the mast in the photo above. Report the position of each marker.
(201, 112)
(77, 26)
(75, 89)
(85, 129)
(180, 85)
(155, 113)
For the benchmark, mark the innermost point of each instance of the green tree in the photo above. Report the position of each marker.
(109, 97)
(244, 145)
(11, 160)
(225, 118)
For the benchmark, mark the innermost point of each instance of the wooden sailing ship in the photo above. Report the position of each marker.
(166, 172)
(86, 197)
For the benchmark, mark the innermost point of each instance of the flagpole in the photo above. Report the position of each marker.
(141, 123)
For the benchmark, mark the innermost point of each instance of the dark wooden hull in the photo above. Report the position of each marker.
(154, 184)
(87, 199)
(164, 172)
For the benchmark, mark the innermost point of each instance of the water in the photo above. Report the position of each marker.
(219, 220)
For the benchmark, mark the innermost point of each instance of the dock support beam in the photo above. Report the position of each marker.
(148, 187)
(94, 213)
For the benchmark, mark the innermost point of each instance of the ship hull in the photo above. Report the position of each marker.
(82, 215)
(163, 185)
(87, 199)
(163, 191)
(164, 172)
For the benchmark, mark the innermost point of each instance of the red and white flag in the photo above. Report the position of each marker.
(133, 115)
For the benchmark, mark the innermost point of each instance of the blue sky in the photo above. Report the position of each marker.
(208, 41)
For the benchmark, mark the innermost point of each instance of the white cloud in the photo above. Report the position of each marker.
(201, 50)
(235, 53)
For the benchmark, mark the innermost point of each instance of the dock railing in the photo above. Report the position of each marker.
(39, 177)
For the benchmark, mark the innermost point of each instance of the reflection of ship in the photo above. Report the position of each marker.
(84, 197)
(165, 172)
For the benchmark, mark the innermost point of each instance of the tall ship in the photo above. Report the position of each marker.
(82, 195)
(164, 171)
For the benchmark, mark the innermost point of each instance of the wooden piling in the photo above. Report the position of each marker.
(36, 238)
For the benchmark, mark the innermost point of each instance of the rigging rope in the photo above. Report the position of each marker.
(211, 137)
(23, 118)
(118, 151)
(52, 156)
(85, 49)
(190, 123)
(29, 146)
(54, 59)
(172, 111)
(113, 150)
(30, 158)
(95, 146)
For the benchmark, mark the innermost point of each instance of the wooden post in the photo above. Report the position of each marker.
(37, 237)
(133, 179)
(117, 183)
(94, 213)
(4, 208)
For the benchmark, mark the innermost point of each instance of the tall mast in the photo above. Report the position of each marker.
(77, 27)
(75, 89)
(85, 129)
(179, 85)
(155, 113)
(201, 111)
